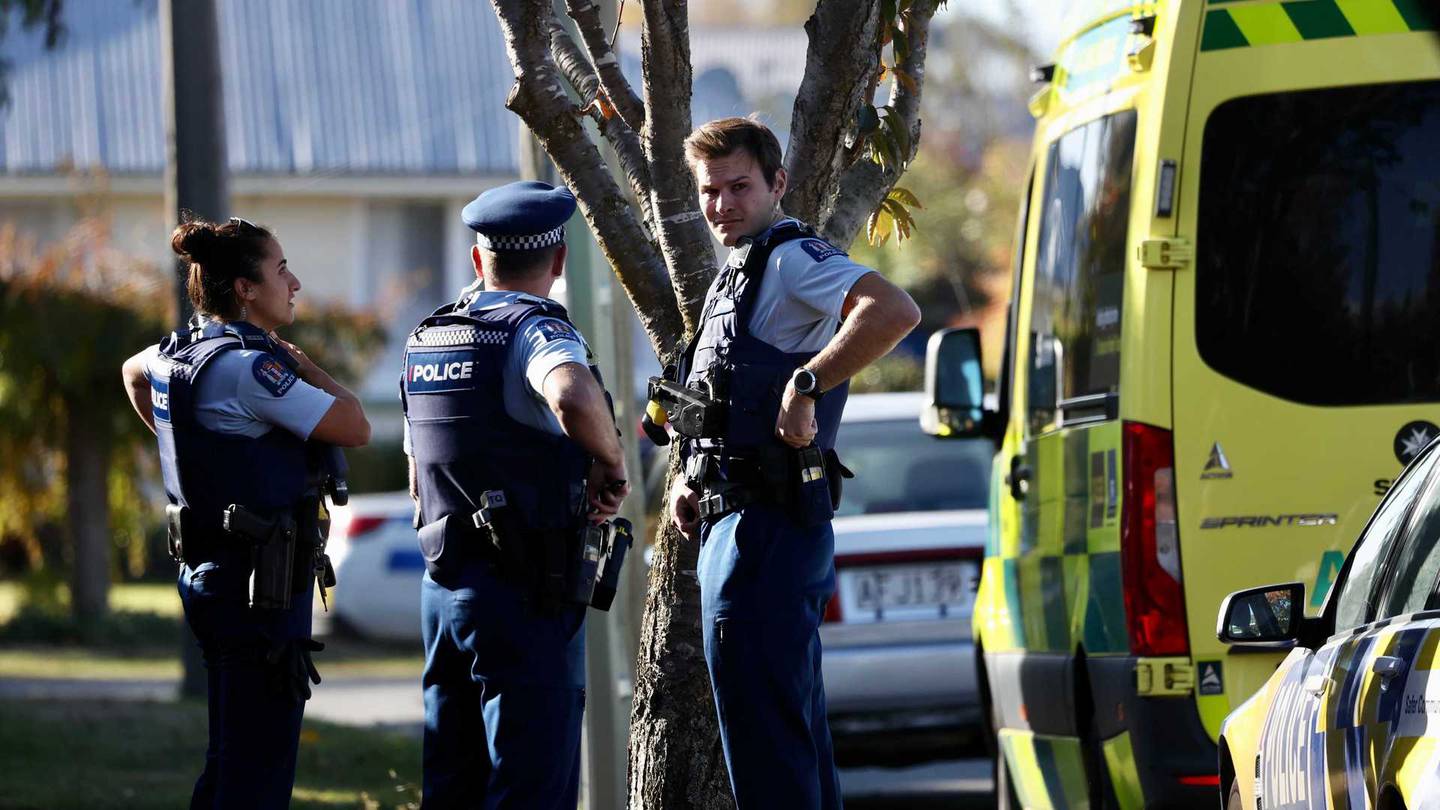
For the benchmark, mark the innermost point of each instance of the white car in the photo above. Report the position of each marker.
(899, 665)
(377, 567)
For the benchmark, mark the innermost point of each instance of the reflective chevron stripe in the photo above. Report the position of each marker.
(1239, 24)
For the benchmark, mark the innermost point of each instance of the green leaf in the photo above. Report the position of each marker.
(868, 120)
(879, 226)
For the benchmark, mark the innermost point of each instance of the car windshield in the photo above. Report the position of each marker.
(899, 469)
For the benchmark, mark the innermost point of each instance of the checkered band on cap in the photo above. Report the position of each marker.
(530, 241)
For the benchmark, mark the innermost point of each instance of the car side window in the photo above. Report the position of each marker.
(1412, 580)
(1354, 600)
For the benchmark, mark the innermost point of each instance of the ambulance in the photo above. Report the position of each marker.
(1223, 346)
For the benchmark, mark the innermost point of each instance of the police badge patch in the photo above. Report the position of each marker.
(272, 375)
(820, 250)
(552, 329)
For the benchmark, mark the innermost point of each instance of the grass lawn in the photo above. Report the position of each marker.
(86, 754)
(142, 640)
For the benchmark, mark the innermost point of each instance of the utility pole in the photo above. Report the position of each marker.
(197, 171)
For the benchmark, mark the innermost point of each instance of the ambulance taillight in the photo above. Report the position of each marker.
(1150, 544)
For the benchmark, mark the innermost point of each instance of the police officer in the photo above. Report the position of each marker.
(786, 323)
(513, 447)
(245, 423)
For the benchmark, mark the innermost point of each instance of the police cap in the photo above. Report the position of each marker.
(527, 215)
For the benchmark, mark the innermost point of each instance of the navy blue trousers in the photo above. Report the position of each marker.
(764, 583)
(254, 713)
(504, 696)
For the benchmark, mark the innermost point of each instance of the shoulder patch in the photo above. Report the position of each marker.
(272, 375)
(551, 329)
(820, 250)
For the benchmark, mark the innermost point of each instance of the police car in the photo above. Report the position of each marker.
(899, 664)
(377, 566)
(1351, 717)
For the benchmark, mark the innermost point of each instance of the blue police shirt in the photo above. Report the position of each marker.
(802, 294)
(245, 392)
(541, 345)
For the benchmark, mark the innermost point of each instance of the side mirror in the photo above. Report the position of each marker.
(955, 386)
(1268, 616)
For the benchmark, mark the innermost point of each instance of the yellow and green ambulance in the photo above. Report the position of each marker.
(1223, 345)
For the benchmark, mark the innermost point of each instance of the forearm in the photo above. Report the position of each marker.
(871, 331)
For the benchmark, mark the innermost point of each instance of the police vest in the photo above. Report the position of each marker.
(463, 441)
(750, 374)
(205, 470)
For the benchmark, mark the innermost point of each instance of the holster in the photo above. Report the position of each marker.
(272, 569)
(177, 528)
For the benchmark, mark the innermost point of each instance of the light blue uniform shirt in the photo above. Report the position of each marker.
(541, 345)
(239, 394)
(802, 295)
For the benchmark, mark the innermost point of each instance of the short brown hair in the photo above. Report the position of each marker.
(724, 136)
(520, 265)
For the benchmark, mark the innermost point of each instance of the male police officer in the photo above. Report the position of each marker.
(513, 446)
(787, 322)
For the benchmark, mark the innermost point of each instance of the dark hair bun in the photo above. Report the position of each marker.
(195, 241)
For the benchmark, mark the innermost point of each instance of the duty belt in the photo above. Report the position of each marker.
(745, 481)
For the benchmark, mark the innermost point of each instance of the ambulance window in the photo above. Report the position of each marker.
(1418, 562)
(1318, 244)
(1080, 266)
(1354, 599)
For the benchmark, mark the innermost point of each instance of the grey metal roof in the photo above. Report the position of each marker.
(332, 87)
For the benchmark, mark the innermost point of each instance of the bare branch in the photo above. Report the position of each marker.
(539, 98)
(665, 48)
(621, 137)
(840, 64)
(864, 185)
(586, 15)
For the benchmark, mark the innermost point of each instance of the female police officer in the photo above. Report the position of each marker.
(233, 407)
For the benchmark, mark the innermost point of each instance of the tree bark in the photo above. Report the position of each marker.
(539, 98)
(675, 755)
(607, 64)
(87, 465)
(864, 185)
(842, 59)
(684, 239)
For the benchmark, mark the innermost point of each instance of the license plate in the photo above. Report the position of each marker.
(939, 590)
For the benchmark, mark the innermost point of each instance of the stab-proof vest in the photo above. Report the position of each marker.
(747, 372)
(206, 470)
(463, 441)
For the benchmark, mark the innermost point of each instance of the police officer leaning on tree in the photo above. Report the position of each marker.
(786, 323)
(246, 426)
(513, 448)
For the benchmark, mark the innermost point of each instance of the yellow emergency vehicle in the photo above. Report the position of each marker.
(1223, 345)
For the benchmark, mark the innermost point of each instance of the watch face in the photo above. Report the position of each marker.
(805, 381)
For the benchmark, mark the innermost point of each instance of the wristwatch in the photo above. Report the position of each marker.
(807, 384)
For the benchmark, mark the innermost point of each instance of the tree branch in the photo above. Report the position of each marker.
(621, 137)
(665, 48)
(539, 98)
(586, 15)
(865, 185)
(842, 58)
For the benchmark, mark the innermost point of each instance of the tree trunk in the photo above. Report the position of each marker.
(675, 756)
(87, 463)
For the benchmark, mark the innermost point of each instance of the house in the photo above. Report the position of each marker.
(356, 129)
